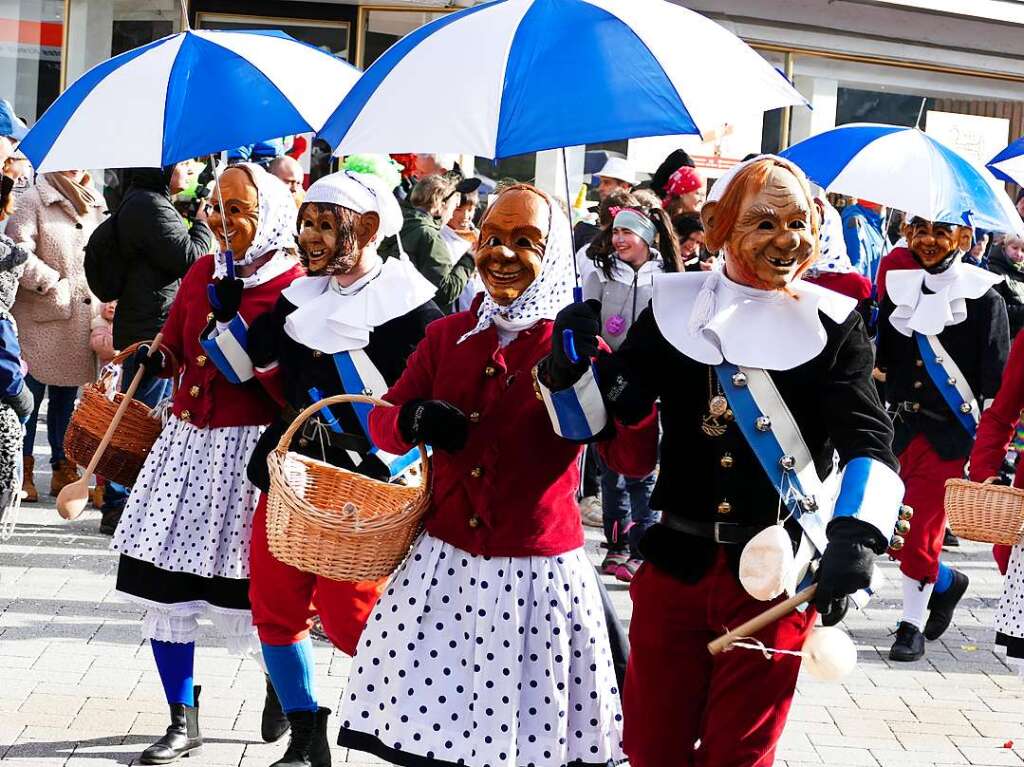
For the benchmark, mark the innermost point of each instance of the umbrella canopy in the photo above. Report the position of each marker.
(543, 74)
(188, 95)
(907, 169)
(1008, 165)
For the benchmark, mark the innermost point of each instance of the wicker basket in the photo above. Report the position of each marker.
(336, 523)
(134, 437)
(985, 512)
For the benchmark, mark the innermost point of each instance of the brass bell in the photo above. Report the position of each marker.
(729, 415)
(763, 423)
(726, 461)
(906, 512)
(724, 507)
(965, 408)
(902, 527)
(896, 542)
(787, 462)
(739, 380)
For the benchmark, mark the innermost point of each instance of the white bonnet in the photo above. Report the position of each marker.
(361, 193)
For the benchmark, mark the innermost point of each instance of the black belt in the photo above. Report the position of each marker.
(315, 430)
(730, 533)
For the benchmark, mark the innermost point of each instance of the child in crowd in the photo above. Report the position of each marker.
(638, 244)
(101, 339)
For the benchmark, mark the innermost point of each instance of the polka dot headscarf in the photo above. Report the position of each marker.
(275, 229)
(549, 293)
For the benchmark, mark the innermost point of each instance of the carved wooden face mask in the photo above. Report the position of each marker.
(513, 237)
(774, 238)
(933, 243)
(240, 214)
(332, 237)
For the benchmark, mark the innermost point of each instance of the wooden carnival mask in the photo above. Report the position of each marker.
(513, 237)
(332, 238)
(767, 221)
(241, 212)
(934, 243)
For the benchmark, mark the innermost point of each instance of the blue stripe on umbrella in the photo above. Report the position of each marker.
(1016, 149)
(251, 97)
(971, 190)
(49, 126)
(348, 111)
(639, 98)
(823, 157)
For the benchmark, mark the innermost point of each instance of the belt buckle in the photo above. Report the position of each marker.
(718, 534)
(311, 429)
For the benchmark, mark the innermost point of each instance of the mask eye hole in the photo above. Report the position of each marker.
(798, 224)
(766, 226)
(524, 242)
(493, 242)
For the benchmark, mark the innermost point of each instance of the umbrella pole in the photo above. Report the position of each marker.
(229, 259)
(578, 290)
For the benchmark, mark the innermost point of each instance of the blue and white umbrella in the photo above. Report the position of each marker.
(907, 169)
(1008, 165)
(187, 95)
(544, 74)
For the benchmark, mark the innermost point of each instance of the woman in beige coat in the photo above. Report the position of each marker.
(54, 307)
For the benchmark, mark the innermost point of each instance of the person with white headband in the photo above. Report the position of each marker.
(185, 533)
(761, 379)
(346, 327)
(643, 244)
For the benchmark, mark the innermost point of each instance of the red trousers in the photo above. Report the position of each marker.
(676, 693)
(285, 599)
(924, 474)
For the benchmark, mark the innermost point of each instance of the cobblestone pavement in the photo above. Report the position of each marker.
(77, 686)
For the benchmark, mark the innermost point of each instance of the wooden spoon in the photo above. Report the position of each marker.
(758, 622)
(71, 500)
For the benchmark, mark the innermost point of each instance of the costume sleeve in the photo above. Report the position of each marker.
(995, 347)
(871, 490)
(264, 346)
(998, 421)
(883, 341)
(417, 382)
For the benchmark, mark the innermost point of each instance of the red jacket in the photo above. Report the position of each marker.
(511, 491)
(205, 398)
(894, 260)
(852, 284)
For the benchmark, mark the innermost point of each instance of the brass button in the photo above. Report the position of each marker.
(317, 355)
(915, 406)
(490, 371)
(474, 521)
(474, 417)
(920, 363)
(726, 461)
(186, 415)
(724, 507)
(476, 473)
(201, 360)
(194, 391)
(209, 317)
(918, 384)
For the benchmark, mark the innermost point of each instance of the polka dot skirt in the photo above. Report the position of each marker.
(494, 661)
(191, 508)
(1010, 612)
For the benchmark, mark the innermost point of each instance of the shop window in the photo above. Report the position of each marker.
(330, 36)
(860, 106)
(382, 28)
(31, 34)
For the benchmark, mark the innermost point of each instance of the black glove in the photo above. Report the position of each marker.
(435, 422)
(584, 320)
(225, 298)
(846, 565)
(21, 403)
(154, 365)
(11, 254)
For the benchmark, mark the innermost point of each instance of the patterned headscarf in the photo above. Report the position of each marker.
(550, 292)
(833, 259)
(275, 229)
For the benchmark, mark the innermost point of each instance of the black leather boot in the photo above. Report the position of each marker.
(308, 746)
(275, 723)
(941, 606)
(909, 644)
(183, 737)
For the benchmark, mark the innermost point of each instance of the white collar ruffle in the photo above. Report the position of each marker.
(945, 304)
(744, 326)
(332, 319)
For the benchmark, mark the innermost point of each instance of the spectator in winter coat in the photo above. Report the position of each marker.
(158, 250)
(53, 220)
(430, 205)
(1007, 260)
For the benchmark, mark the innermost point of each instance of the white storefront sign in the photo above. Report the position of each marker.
(977, 138)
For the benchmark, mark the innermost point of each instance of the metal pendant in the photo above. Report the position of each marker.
(710, 426)
(718, 406)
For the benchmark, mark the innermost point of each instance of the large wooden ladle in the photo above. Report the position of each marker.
(765, 619)
(71, 501)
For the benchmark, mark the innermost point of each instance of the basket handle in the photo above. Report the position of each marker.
(337, 399)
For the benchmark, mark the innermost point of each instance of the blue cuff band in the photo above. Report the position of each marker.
(871, 492)
(577, 413)
(228, 351)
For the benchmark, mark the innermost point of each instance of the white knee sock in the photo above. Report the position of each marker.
(915, 601)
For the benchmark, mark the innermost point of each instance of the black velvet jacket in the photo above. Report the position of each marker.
(710, 479)
(302, 368)
(979, 345)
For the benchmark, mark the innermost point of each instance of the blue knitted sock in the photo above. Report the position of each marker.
(291, 671)
(944, 579)
(175, 661)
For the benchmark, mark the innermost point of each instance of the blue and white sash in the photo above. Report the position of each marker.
(950, 381)
(360, 376)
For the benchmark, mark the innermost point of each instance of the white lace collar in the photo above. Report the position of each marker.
(332, 319)
(744, 326)
(945, 304)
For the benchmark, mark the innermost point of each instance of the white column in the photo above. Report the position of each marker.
(90, 34)
(550, 173)
(821, 92)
